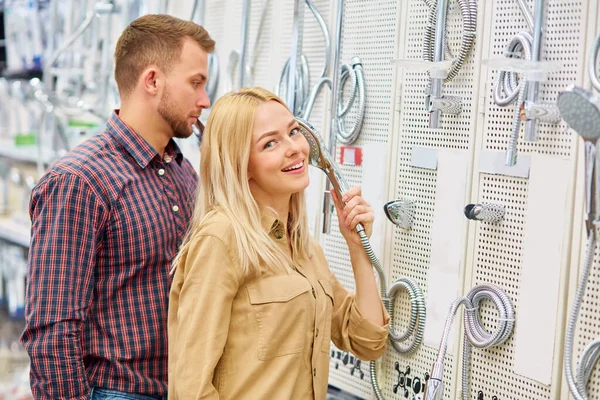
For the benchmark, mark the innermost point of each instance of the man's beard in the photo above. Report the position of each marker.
(168, 111)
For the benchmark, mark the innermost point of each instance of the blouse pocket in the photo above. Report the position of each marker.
(281, 307)
(328, 289)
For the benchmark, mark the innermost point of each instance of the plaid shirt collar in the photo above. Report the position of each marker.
(136, 146)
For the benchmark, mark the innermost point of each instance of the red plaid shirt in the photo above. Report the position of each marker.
(107, 220)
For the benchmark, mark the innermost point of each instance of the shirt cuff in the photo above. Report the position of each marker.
(362, 327)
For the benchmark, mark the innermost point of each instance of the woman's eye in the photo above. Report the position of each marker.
(270, 144)
(294, 131)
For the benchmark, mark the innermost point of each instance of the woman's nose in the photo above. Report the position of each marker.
(293, 146)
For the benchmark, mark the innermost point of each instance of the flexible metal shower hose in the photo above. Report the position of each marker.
(468, 11)
(306, 97)
(382, 291)
(401, 342)
(508, 89)
(326, 38)
(475, 334)
(356, 75)
(303, 75)
(302, 85)
(306, 101)
(417, 311)
(590, 355)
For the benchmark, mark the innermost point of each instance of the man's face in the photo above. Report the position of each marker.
(184, 95)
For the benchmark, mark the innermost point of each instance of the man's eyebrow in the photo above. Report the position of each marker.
(199, 75)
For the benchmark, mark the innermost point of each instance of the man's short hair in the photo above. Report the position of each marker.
(154, 39)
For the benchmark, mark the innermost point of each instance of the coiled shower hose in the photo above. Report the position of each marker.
(475, 334)
(356, 75)
(591, 354)
(417, 319)
(508, 89)
(322, 159)
(306, 97)
(468, 11)
(303, 75)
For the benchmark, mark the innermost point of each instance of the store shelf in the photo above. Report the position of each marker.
(23, 154)
(13, 232)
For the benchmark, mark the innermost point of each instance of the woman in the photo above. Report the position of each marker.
(253, 304)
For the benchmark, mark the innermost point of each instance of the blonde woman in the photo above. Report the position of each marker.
(253, 304)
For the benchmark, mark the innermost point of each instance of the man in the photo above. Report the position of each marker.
(107, 220)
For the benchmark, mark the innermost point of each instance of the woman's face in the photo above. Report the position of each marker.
(278, 164)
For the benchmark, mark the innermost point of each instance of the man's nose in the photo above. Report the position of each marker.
(203, 100)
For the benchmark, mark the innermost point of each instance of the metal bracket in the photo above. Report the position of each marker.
(445, 104)
(545, 112)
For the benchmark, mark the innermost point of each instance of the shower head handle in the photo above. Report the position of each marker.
(591, 185)
(320, 158)
(581, 111)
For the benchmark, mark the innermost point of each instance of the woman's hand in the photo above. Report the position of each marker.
(356, 210)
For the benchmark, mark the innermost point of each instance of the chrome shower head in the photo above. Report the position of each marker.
(401, 212)
(581, 111)
(319, 157)
(486, 212)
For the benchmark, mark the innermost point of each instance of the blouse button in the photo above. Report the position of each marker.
(277, 229)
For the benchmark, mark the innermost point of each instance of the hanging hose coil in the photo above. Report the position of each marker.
(302, 83)
(356, 75)
(305, 97)
(475, 333)
(416, 326)
(468, 11)
(417, 313)
(508, 89)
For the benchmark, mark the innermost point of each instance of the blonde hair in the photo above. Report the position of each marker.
(224, 186)
(153, 39)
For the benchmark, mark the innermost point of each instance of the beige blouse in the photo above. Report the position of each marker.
(264, 338)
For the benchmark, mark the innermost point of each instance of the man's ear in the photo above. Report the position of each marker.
(151, 80)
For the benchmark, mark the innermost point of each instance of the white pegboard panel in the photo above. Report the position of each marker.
(373, 31)
(411, 250)
(564, 36)
(369, 31)
(498, 261)
(498, 250)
